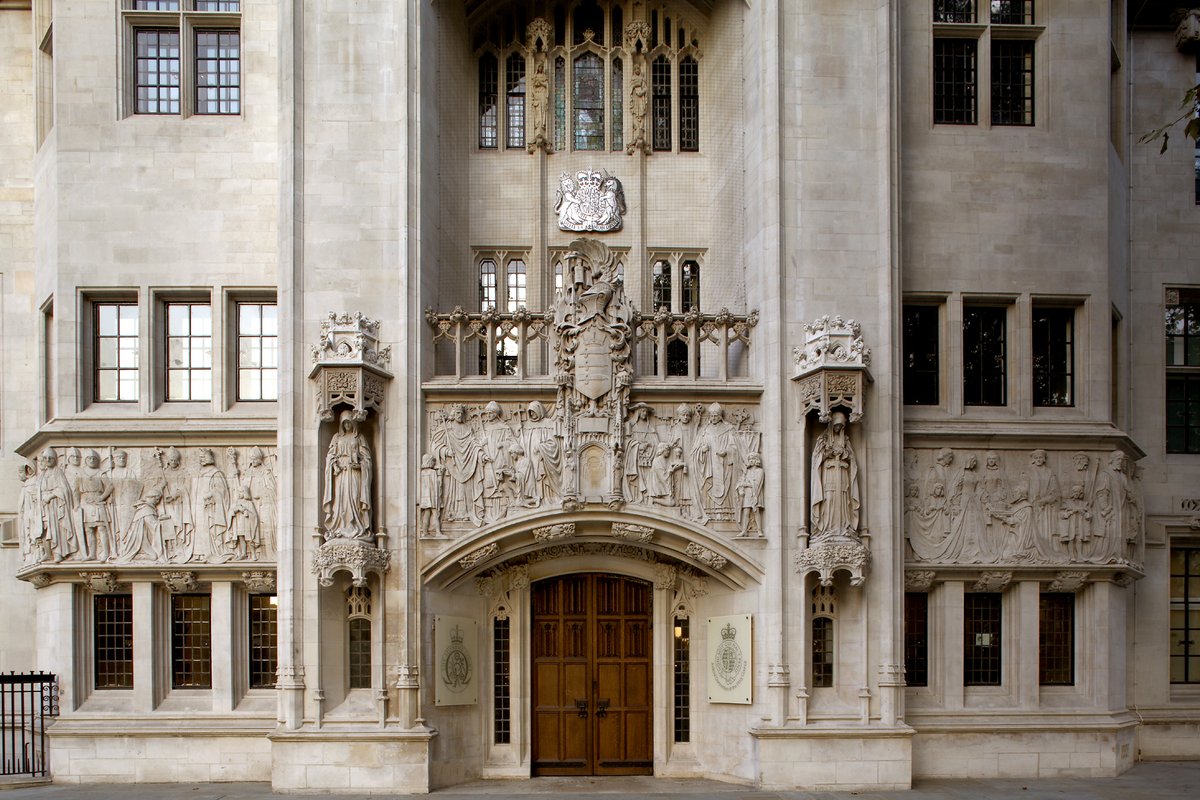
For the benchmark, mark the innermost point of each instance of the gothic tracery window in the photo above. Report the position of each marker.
(616, 74)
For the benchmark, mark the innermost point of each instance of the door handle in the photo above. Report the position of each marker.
(582, 705)
(602, 707)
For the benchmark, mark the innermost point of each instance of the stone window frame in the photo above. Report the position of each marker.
(676, 258)
(233, 299)
(1183, 373)
(1187, 543)
(1068, 366)
(90, 299)
(824, 603)
(194, 337)
(988, 37)
(1007, 307)
(186, 18)
(360, 602)
(1052, 659)
(938, 305)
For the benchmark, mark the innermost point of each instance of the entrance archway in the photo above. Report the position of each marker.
(592, 675)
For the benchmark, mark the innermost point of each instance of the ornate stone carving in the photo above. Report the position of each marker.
(349, 366)
(549, 533)
(827, 558)
(259, 580)
(1070, 581)
(706, 556)
(346, 502)
(539, 37)
(180, 582)
(831, 368)
(1124, 579)
(834, 499)
(992, 581)
(101, 582)
(149, 504)
(484, 553)
(665, 576)
(1055, 508)
(591, 201)
(41, 580)
(348, 555)
(636, 533)
(919, 580)
(1187, 33)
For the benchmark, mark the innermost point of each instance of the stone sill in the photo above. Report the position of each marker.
(164, 431)
(990, 721)
(339, 733)
(143, 726)
(819, 731)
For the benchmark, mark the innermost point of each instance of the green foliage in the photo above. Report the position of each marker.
(1190, 113)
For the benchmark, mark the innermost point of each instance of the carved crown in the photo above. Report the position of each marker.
(729, 632)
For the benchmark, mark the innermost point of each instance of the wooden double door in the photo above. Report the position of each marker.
(592, 676)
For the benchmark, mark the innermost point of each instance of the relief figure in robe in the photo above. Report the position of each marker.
(543, 444)
(995, 545)
(1045, 496)
(55, 499)
(429, 496)
(750, 491)
(179, 527)
(688, 491)
(834, 500)
(458, 447)
(260, 477)
(212, 507)
(95, 518)
(127, 488)
(932, 535)
(716, 458)
(498, 437)
(346, 501)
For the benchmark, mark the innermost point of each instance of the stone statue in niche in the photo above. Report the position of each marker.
(1026, 518)
(346, 501)
(834, 501)
(539, 103)
(638, 94)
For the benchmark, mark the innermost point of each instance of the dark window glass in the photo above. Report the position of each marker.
(218, 72)
(588, 16)
(560, 104)
(489, 79)
(191, 641)
(1053, 356)
(689, 104)
(219, 5)
(690, 285)
(158, 5)
(189, 351)
(1012, 12)
(921, 378)
(822, 652)
(683, 686)
(954, 77)
(916, 638)
(1183, 413)
(677, 358)
(984, 356)
(1185, 615)
(116, 352)
(263, 640)
(1012, 82)
(360, 653)
(113, 642)
(954, 10)
(501, 686)
(981, 639)
(587, 100)
(662, 285)
(1056, 639)
(258, 351)
(1183, 334)
(660, 103)
(618, 95)
(156, 64)
(514, 70)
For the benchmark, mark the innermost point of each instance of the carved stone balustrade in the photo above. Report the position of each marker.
(666, 347)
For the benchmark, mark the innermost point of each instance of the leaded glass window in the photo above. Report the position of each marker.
(587, 100)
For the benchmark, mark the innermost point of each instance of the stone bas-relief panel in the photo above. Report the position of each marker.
(1023, 507)
(486, 462)
(155, 505)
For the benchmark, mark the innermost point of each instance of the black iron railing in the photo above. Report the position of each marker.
(27, 700)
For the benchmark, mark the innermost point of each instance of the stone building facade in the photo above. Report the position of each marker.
(398, 394)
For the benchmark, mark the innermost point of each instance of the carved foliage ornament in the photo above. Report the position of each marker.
(549, 533)
(344, 555)
(180, 582)
(827, 559)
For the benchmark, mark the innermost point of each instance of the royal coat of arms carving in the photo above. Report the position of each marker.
(591, 201)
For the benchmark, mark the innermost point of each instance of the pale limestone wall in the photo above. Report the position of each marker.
(132, 757)
(17, 363)
(1165, 240)
(1063, 753)
(836, 761)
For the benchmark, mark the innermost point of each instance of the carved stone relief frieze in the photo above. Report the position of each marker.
(590, 201)
(492, 460)
(1034, 507)
(151, 505)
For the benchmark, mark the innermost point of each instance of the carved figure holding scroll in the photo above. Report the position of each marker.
(347, 497)
(834, 502)
(429, 496)
(750, 489)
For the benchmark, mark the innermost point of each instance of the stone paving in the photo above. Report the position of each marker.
(1146, 781)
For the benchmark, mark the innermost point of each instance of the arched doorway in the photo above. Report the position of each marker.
(592, 675)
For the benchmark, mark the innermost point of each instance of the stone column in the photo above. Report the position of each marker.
(225, 647)
(1024, 655)
(950, 653)
(148, 690)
